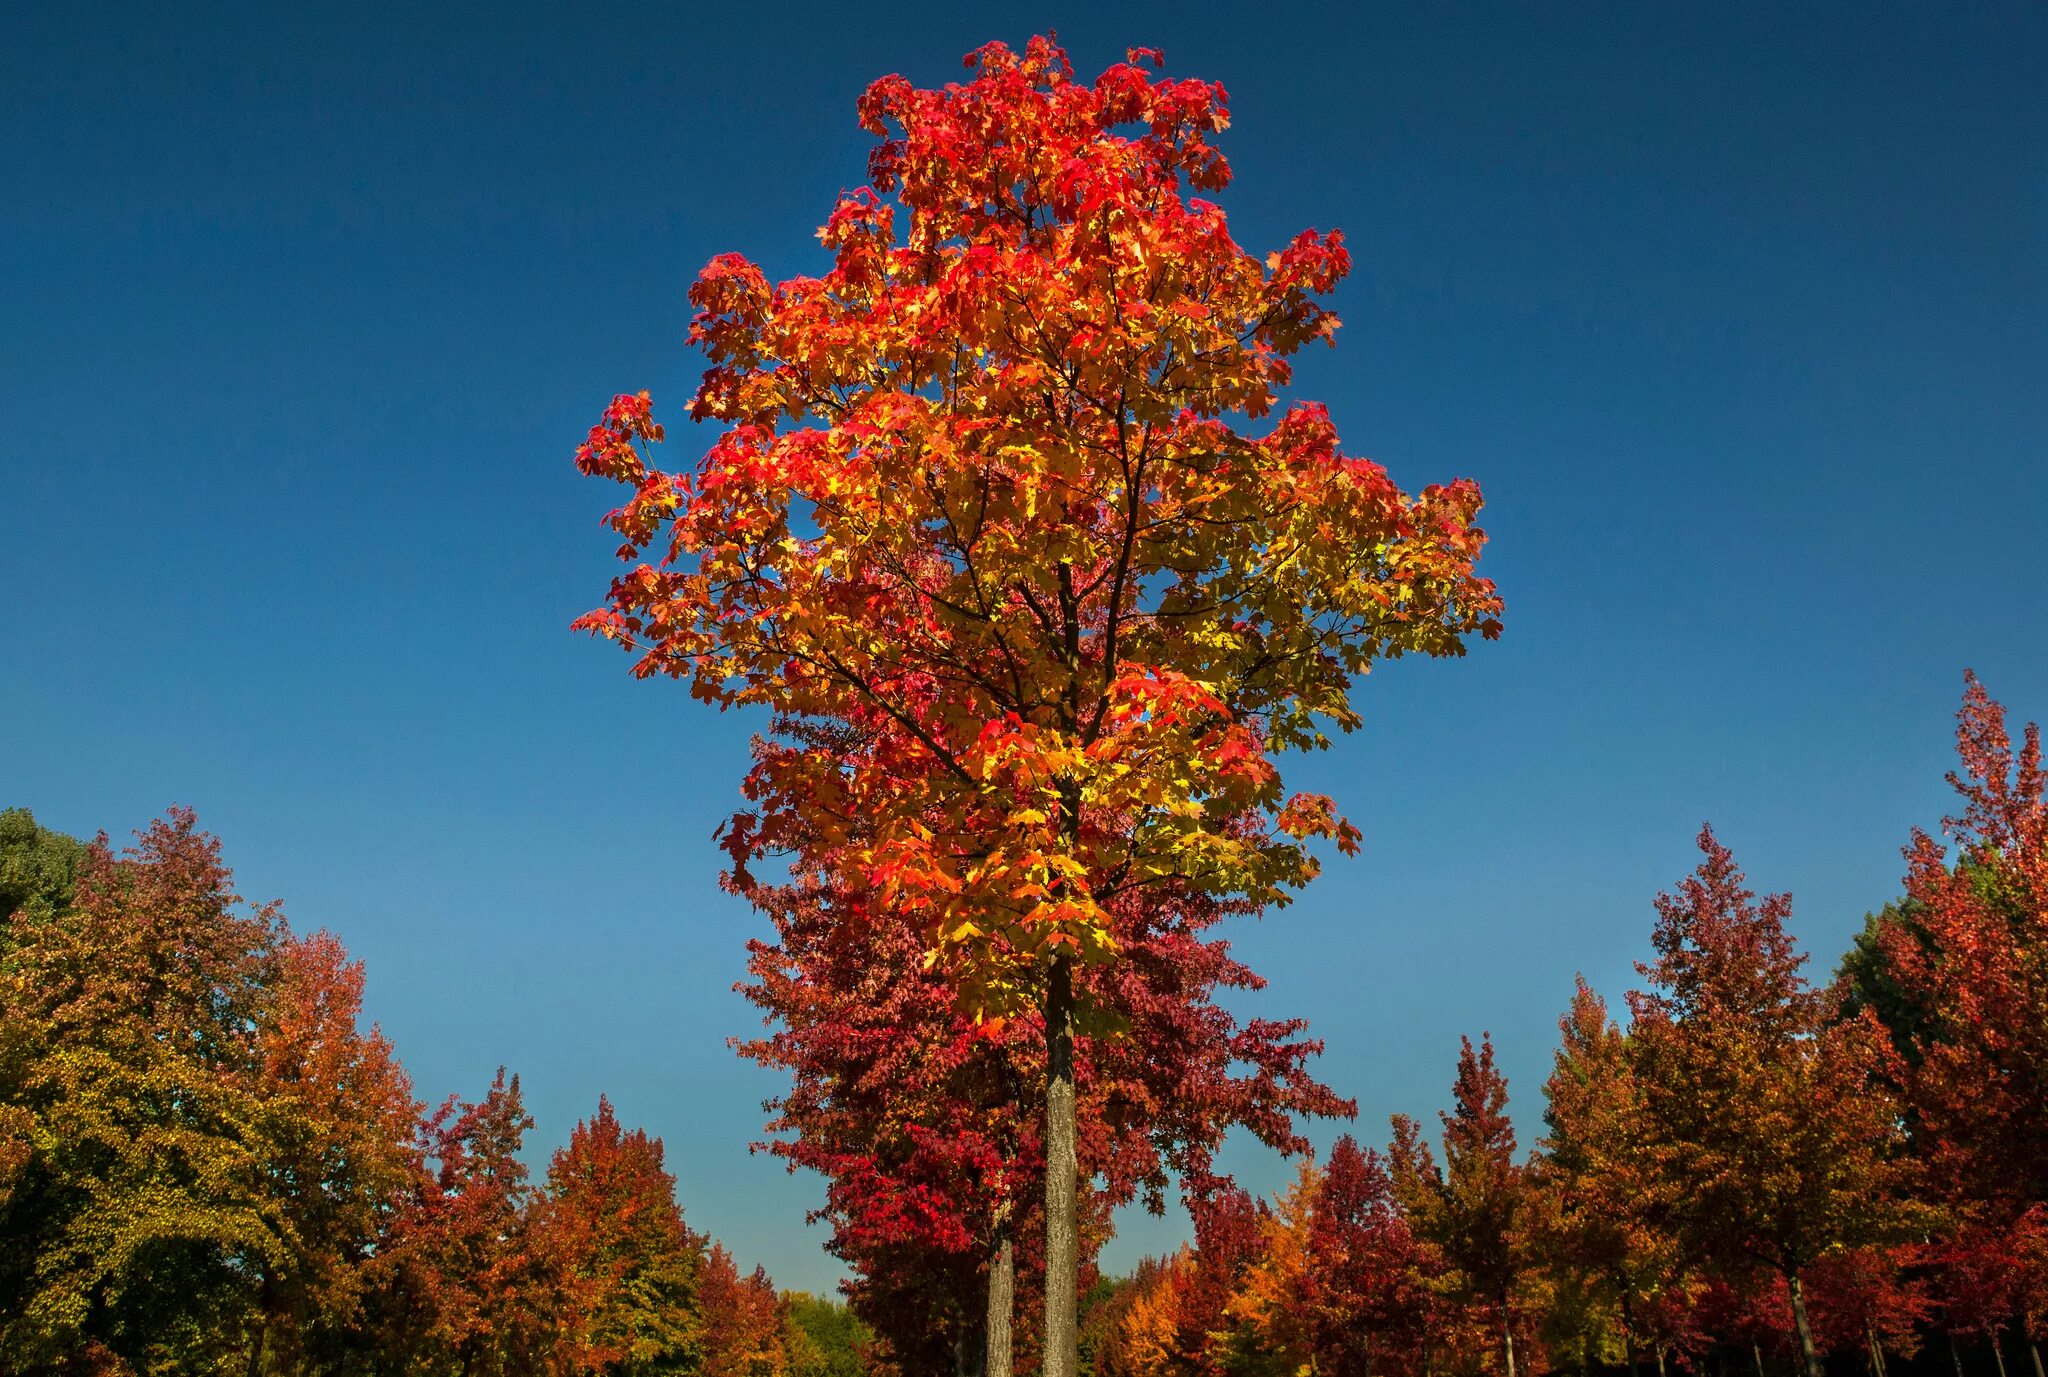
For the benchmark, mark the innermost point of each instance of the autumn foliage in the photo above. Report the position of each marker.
(207, 1164)
(985, 526)
(1756, 1171)
(1008, 527)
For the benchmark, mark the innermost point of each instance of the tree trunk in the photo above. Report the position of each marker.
(1955, 1355)
(1809, 1357)
(1628, 1330)
(1062, 1178)
(1998, 1351)
(1660, 1361)
(2035, 1349)
(256, 1349)
(1876, 1351)
(1756, 1351)
(1002, 1286)
(1508, 1335)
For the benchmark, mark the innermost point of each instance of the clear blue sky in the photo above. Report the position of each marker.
(1739, 314)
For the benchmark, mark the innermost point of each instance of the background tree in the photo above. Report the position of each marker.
(612, 1222)
(1334, 1288)
(1418, 1185)
(1602, 1212)
(470, 1285)
(1478, 1217)
(746, 1326)
(836, 1336)
(128, 1054)
(335, 1133)
(1768, 1112)
(38, 868)
(979, 481)
(1973, 966)
(1868, 1304)
(1362, 1302)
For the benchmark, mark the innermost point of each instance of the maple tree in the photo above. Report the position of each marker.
(1868, 1301)
(127, 1054)
(1335, 1289)
(1602, 1210)
(335, 1138)
(1769, 1110)
(979, 482)
(470, 1283)
(611, 1219)
(1471, 1210)
(1361, 1299)
(1966, 958)
(747, 1330)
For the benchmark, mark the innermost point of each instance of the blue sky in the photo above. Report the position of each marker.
(1738, 313)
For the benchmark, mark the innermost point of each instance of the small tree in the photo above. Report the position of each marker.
(1363, 1306)
(612, 1224)
(1602, 1216)
(336, 1132)
(1478, 1217)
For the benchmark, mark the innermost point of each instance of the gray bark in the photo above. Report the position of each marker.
(1809, 1356)
(1062, 1178)
(1002, 1287)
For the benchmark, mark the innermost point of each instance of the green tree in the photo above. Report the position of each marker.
(38, 868)
(836, 1337)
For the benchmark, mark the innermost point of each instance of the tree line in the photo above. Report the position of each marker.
(207, 1165)
(1755, 1173)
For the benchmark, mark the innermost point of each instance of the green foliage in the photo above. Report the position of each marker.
(38, 867)
(1869, 979)
(834, 1338)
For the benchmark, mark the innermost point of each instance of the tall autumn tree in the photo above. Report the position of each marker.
(1768, 1112)
(985, 481)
